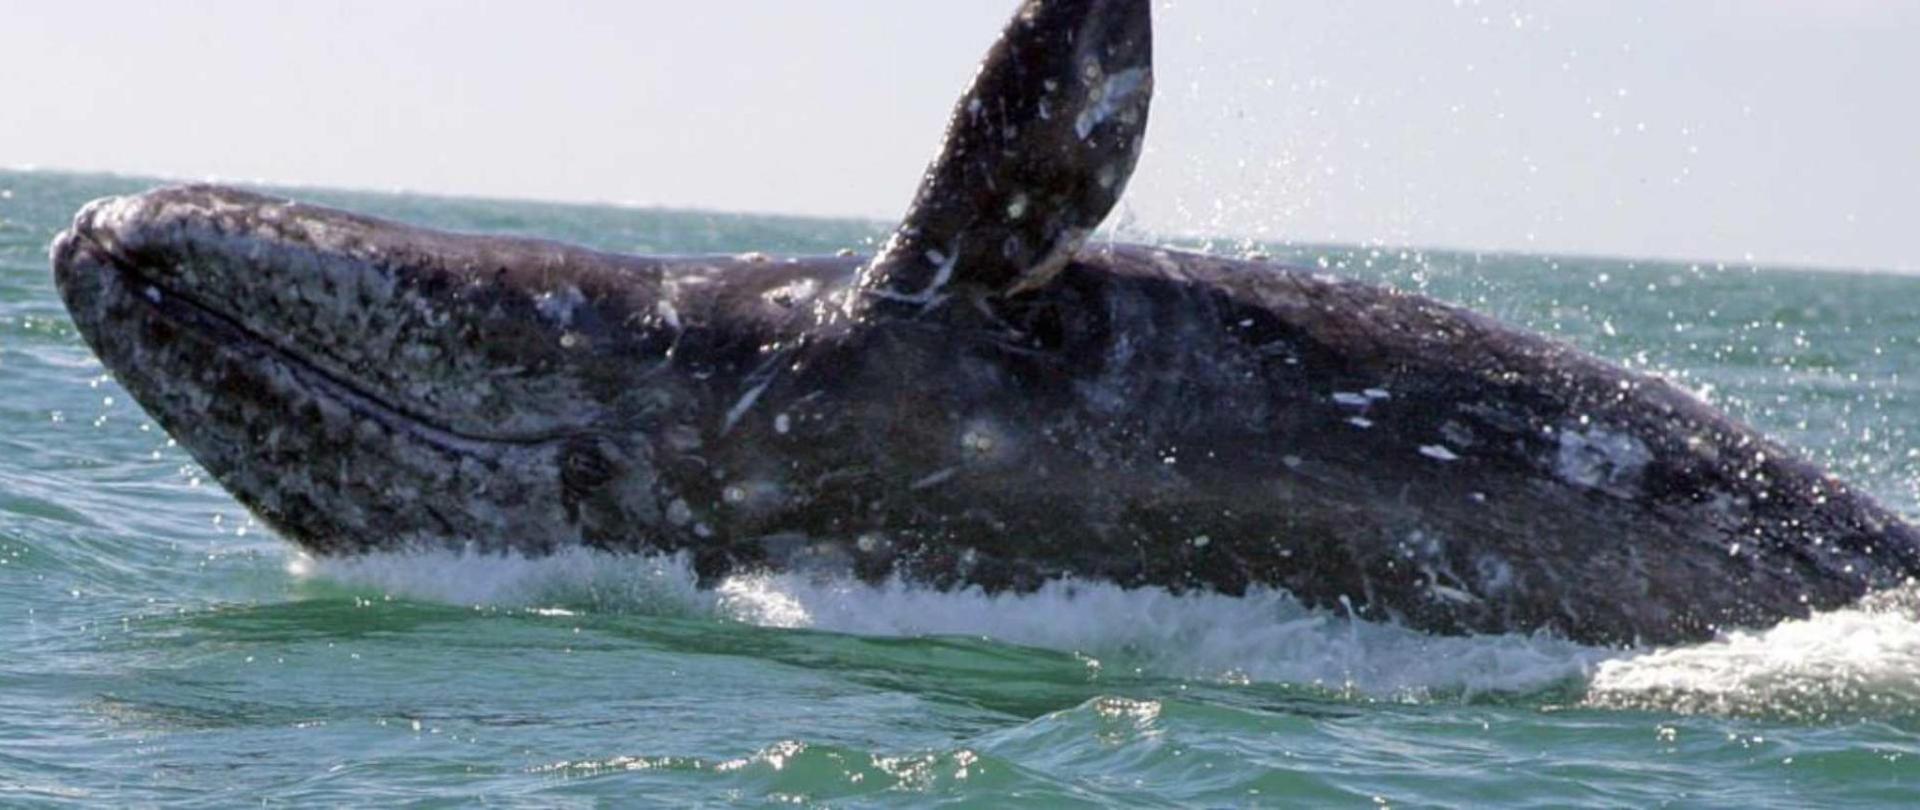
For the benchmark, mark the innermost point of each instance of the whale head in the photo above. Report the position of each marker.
(365, 385)
(355, 382)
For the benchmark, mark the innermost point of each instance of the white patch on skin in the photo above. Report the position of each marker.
(1601, 459)
(668, 313)
(558, 305)
(1456, 433)
(678, 513)
(752, 495)
(1107, 97)
(942, 274)
(745, 404)
(935, 479)
(1495, 574)
(792, 293)
(682, 438)
(982, 441)
(1360, 422)
(928, 296)
(1438, 452)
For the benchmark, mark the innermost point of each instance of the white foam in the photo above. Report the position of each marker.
(1860, 661)
(1265, 636)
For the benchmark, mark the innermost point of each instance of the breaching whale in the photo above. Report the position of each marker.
(988, 402)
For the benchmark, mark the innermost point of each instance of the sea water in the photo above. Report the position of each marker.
(158, 646)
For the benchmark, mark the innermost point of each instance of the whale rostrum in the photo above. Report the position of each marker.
(989, 402)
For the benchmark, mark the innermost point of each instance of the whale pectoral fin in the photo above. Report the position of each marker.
(1037, 153)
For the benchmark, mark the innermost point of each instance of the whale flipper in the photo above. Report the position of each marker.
(1038, 151)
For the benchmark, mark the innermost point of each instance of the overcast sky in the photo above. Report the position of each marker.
(1786, 131)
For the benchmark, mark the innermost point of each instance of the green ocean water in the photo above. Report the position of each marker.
(157, 647)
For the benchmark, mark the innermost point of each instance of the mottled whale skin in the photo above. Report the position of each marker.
(1118, 413)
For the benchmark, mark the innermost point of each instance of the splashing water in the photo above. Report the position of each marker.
(1264, 636)
(1862, 661)
(1859, 661)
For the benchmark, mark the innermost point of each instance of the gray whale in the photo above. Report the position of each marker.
(989, 402)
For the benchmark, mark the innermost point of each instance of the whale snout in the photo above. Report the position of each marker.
(348, 378)
(82, 260)
(490, 338)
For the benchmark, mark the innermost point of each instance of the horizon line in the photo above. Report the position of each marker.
(1158, 237)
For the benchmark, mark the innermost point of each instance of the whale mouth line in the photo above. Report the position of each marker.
(190, 313)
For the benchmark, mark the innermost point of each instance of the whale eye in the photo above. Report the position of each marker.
(583, 469)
